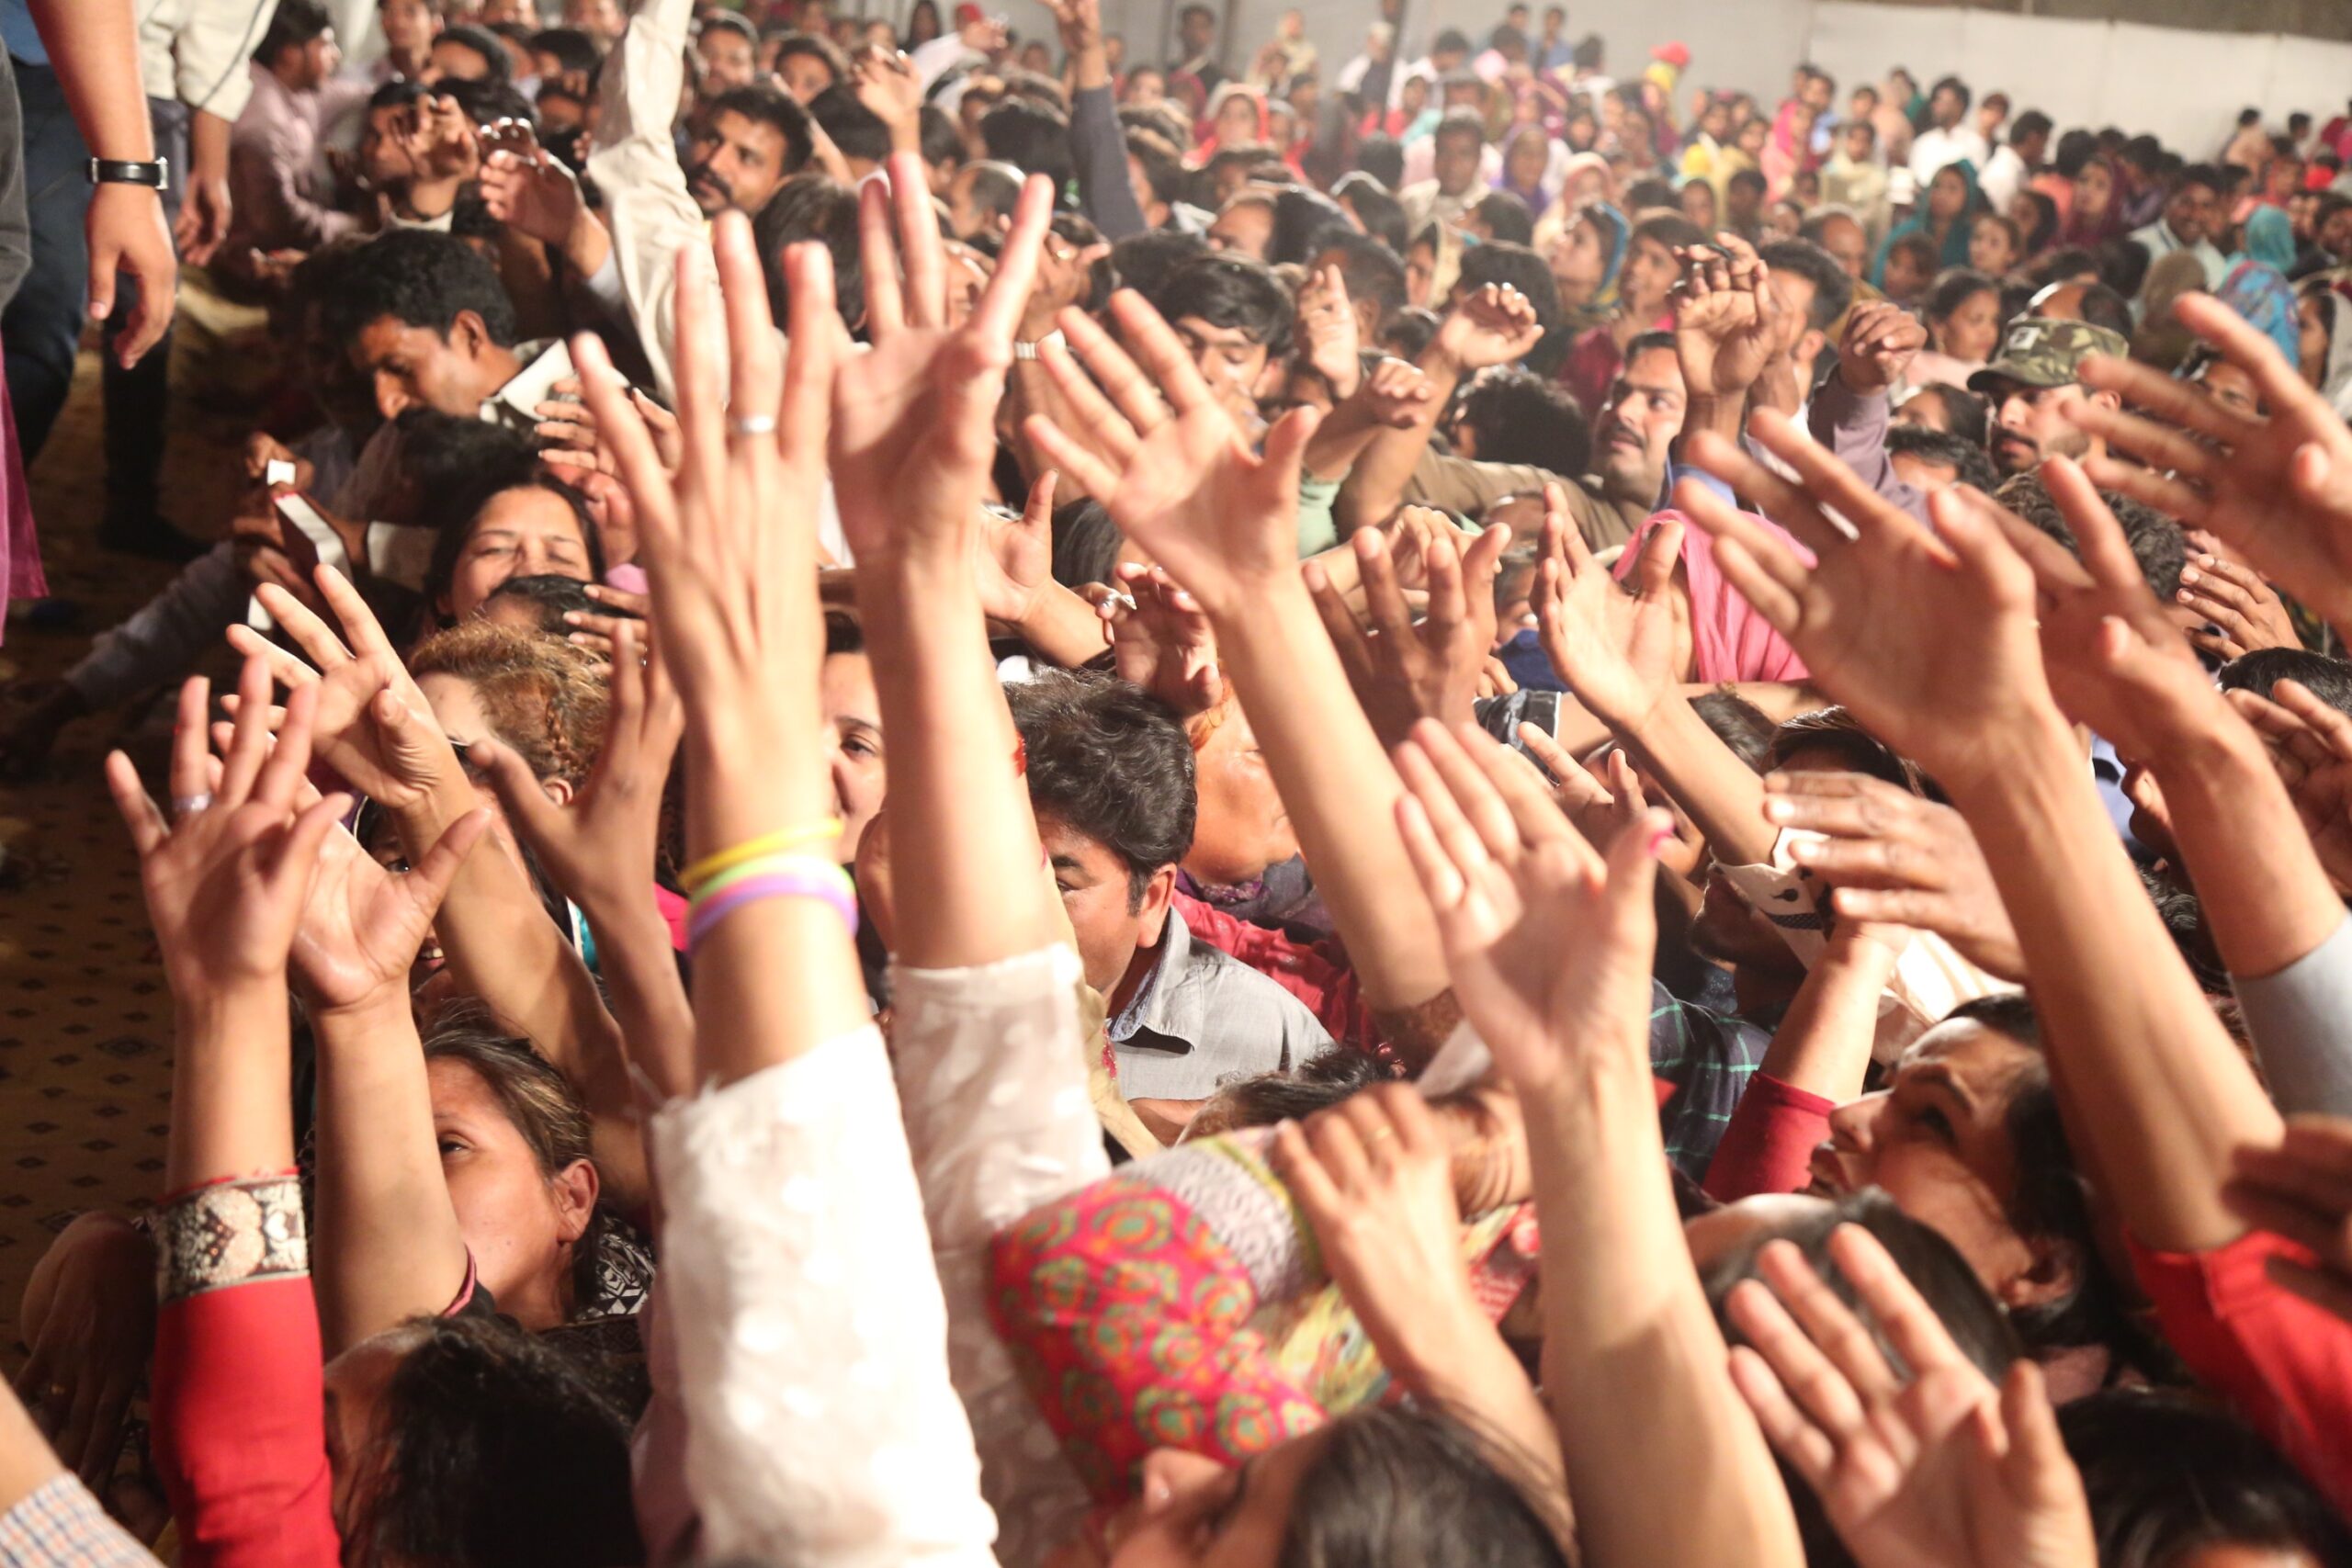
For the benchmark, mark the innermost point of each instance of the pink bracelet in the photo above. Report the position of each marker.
(829, 884)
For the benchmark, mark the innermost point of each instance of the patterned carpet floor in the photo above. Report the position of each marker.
(86, 1022)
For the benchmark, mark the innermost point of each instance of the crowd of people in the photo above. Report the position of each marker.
(970, 803)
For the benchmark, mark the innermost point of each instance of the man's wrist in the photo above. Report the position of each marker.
(428, 199)
(586, 243)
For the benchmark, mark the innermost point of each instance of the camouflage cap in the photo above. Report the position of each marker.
(2044, 351)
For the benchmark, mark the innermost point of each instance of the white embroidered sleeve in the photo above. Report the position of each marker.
(822, 1426)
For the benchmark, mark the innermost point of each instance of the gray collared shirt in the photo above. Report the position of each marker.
(1202, 1016)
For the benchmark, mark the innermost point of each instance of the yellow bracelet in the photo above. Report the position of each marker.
(712, 865)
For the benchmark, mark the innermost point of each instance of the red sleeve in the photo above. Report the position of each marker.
(240, 1428)
(1313, 973)
(2281, 1363)
(1767, 1147)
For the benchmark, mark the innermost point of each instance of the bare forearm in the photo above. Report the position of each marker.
(2267, 898)
(649, 1000)
(1723, 796)
(208, 146)
(2152, 1091)
(1375, 485)
(1823, 1045)
(1063, 629)
(1638, 1335)
(1339, 788)
(231, 1112)
(93, 48)
(388, 1244)
(1338, 443)
(964, 848)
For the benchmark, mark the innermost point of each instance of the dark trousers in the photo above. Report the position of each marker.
(42, 325)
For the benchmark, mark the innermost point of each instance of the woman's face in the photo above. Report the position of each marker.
(2094, 189)
(1972, 330)
(526, 532)
(1586, 185)
(1237, 121)
(1698, 203)
(2311, 337)
(1785, 219)
(1989, 250)
(1242, 827)
(1583, 131)
(1947, 194)
(845, 694)
(1146, 89)
(1413, 98)
(1195, 1513)
(1576, 263)
(518, 1222)
(1420, 268)
(1926, 409)
(2233, 388)
(1937, 1141)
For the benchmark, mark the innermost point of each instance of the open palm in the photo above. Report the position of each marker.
(362, 924)
(1615, 651)
(1550, 944)
(1214, 514)
(1928, 637)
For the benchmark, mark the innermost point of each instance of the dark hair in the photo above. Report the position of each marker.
(1956, 85)
(2045, 220)
(1837, 729)
(1668, 228)
(1381, 215)
(1320, 1082)
(1954, 287)
(1968, 460)
(1143, 261)
(420, 279)
(294, 25)
(2169, 1473)
(1749, 180)
(1398, 1484)
(728, 22)
(1738, 724)
(2074, 149)
(1031, 136)
(2033, 122)
(1112, 763)
(771, 105)
(857, 131)
(995, 185)
(1507, 217)
(2329, 680)
(553, 597)
(1967, 410)
(1301, 219)
(1459, 122)
(942, 142)
(1230, 291)
(2155, 539)
(2123, 266)
(533, 1095)
(574, 50)
(1369, 268)
(498, 1449)
(398, 93)
(1832, 289)
(1086, 543)
(816, 47)
(1521, 417)
(466, 506)
(1162, 170)
(1451, 41)
(812, 207)
(1499, 261)
(1921, 249)
(1381, 157)
(1408, 332)
(488, 101)
(1658, 340)
(2204, 175)
(483, 42)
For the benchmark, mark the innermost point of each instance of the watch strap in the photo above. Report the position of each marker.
(156, 176)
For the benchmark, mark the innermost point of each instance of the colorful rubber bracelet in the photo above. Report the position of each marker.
(763, 866)
(710, 865)
(833, 890)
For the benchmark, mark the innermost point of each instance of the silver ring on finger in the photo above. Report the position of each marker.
(190, 805)
(751, 424)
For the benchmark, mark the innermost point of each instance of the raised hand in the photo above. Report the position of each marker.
(600, 845)
(374, 727)
(1929, 1471)
(1550, 943)
(1895, 858)
(1402, 670)
(1188, 490)
(1065, 278)
(1327, 334)
(1395, 394)
(1928, 637)
(2235, 599)
(2310, 745)
(1881, 339)
(530, 191)
(362, 924)
(440, 140)
(2115, 662)
(1616, 652)
(1012, 558)
(1600, 809)
(1495, 326)
(226, 875)
(887, 84)
(1164, 644)
(2303, 1190)
(914, 420)
(1727, 324)
(2278, 490)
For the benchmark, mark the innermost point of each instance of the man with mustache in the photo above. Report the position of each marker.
(2034, 389)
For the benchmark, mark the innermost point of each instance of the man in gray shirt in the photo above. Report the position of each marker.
(1111, 777)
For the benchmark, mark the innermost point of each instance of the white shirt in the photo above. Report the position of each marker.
(1932, 149)
(195, 50)
(2001, 177)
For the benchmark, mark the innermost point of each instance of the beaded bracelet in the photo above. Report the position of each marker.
(802, 877)
(712, 865)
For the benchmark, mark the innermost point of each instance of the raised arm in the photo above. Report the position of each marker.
(1223, 521)
(1551, 945)
(1930, 639)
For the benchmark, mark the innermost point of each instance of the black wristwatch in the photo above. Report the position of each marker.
(156, 176)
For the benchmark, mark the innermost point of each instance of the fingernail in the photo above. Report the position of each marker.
(1660, 839)
(572, 617)
(1804, 850)
(2189, 574)
(2183, 596)
(2203, 560)
(1778, 809)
